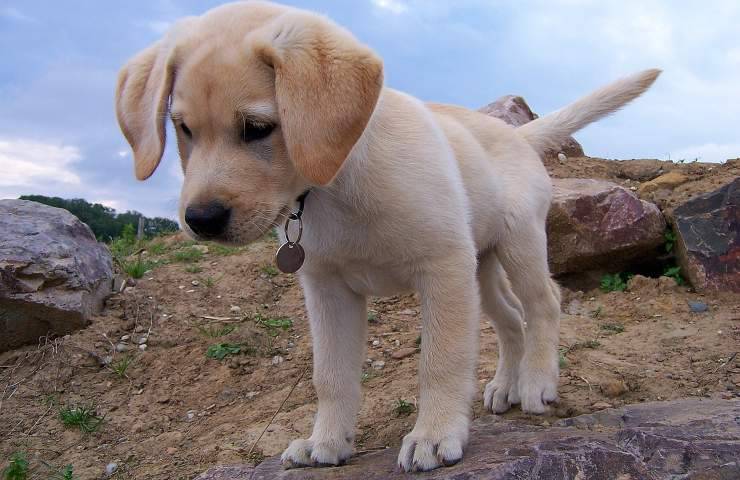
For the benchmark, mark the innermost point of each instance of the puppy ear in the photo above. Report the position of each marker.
(326, 83)
(142, 100)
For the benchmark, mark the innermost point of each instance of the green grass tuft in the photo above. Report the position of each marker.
(220, 351)
(83, 417)
(222, 250)
(562, 360)
(17, 468)
(215, 331)
(121, 365)
(193, 269)
(157, 248)
(273, 324)
(612, 327)
(402, 408)
(270, 270)
(187, 255)
(137, 268)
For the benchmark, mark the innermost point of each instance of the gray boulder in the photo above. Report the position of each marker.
(595, 224)
(515, 111)
(687, 439)
(54, 275)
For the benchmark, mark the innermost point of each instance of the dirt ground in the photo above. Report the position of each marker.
(174, 412)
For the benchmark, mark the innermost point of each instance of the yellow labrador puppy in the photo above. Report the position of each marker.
(270, 101)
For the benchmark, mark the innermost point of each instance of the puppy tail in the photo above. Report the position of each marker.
(548, 132)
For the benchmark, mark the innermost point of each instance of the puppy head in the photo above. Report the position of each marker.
(266, 101)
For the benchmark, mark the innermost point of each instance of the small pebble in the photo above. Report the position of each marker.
(111, 468)
(562, 157)
(121, 347)
(142, 340)
(697, 306)
(143, 347)
(378, 364)
(408, 311)
(376, 343)
(601, 405)
(125, 338)
(235, 309)
(614, 388)
(277, 360)
(195, 283)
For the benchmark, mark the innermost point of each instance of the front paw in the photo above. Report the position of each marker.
(538, 387)
(420, 453)
(311, 453)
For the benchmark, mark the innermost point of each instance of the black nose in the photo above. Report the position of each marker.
(207, 220)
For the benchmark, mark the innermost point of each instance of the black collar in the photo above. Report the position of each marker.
(301, 199)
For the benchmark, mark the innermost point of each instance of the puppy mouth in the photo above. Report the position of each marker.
(252, 226)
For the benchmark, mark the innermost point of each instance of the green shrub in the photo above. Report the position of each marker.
(220, 351)
(17, 468)
(615, 282)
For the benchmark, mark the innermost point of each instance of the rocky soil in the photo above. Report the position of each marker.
(177, 409)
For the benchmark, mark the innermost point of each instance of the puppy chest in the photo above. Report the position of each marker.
(377, 281)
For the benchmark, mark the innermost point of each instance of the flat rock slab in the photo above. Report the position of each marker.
(708, 233)
(594, 224)
(53, 273)
(686, 439)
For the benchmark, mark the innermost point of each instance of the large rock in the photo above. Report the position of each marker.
(595, 224)
(515, 111)
(53, 273)
(708, 233)
(688, 439)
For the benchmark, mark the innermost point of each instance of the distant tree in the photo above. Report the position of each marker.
(105, 223)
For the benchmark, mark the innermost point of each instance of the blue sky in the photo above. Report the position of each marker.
(58, 134)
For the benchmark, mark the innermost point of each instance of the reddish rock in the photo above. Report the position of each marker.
(708, 239)
(596, 224)
(515, 111)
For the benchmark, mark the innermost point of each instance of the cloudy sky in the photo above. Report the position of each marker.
(58, 134)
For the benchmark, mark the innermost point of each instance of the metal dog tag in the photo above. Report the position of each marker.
(290, 257)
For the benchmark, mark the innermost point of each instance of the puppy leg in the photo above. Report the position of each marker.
(507, 315)
(523, 254)
(338, 319)
(449, 350)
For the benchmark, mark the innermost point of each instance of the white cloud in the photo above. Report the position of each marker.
(117, 205)
(122, 153)
(16, 15)
(710, 152)
(393, 6)
(28, 163)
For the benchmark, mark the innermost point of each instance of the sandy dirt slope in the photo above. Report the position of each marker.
(176, 412)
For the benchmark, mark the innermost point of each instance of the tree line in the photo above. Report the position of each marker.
(105, 223)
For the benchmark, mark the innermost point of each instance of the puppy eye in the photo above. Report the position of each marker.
(256, 131)
(186, 130)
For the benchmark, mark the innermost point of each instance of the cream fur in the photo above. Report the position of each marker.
(407, 197)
